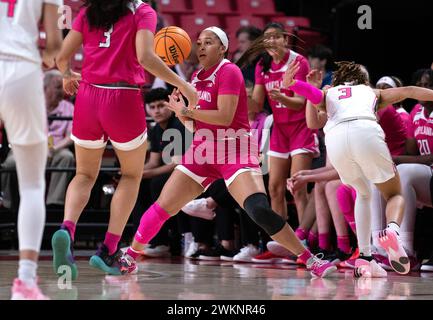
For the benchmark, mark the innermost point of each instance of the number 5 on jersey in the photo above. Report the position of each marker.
(11, 7)
(107, 36)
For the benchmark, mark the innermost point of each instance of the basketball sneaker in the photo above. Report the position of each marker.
(20, 291)
(267, 257)
(368, 269)
(63, 254)
(350, 263)
(320, 268)
(398, 259)
(246, 254)
(115, 264)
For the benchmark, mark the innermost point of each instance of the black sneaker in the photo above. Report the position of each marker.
(216, 253)
(427, 265)
(337, 256)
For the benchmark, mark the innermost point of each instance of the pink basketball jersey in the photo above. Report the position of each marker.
(273, 79)
(110, 55)
(223, 79)
(421, 129)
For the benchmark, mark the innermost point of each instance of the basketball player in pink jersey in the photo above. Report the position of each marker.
(292, 144)
(222, 148)
(25, 120)
(356, 147)
(117, 37)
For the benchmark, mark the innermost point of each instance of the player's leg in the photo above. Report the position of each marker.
(255, 202)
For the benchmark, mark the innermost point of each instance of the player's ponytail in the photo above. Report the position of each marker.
(102, 14)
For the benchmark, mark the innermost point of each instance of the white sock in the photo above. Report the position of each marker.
(394, 226)
(27, 272)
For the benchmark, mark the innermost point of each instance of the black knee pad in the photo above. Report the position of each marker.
(258, 208)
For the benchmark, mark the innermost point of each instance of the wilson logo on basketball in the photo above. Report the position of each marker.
(174, 54)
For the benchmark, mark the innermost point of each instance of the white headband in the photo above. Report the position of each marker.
(387, 80)
(221, 35)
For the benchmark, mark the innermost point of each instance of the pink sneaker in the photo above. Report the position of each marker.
(20, 291)
(128, 264)
(320, 268)
(350, 263)
(398, 259)
(368, 269)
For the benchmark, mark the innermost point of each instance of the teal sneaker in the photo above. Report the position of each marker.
(63, 257)
(116, 264)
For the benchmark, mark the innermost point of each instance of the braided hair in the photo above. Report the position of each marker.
(350, 72)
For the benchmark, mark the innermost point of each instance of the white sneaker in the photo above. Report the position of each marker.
(192, 248)
(157, 252)
(246, 254)
(368, 269)
(198, 208)
(278, 249)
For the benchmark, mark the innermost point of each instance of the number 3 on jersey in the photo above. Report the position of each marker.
(11, 7)
(346, 93)
(107, 36)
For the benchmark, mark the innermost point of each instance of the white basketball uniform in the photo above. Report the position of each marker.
(354, 140)
(22, 100)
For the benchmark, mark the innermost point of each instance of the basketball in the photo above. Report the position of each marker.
(172, 45)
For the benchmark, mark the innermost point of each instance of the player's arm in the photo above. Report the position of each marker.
(54, 34)
(151, 62)
(71, 44)
(258, 97)
(223, 116)
(394, 95)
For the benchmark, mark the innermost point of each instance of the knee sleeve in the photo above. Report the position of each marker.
(257, 207)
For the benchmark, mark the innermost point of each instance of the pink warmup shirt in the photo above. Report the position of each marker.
(227, 80)
(110, 55)
(274, 78)
(395, 130)
(421, 129)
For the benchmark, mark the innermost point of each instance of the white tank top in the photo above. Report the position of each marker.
(346, 102)
(19, 28)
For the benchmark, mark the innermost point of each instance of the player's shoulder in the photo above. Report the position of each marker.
(230, 68)
(138, 6)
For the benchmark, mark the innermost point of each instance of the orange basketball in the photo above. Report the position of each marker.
(172, 45)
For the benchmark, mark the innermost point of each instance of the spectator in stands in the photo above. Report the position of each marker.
(59, 141)
(320, 58)
(245, 36)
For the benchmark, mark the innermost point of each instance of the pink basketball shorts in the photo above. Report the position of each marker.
(207, 161)
(293, 138)
(103, 113)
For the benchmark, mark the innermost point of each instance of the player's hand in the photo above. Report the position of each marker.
(315, 78)
(276, 95)
(190, 93)
(71, 82)
(290, 74)
(48, 59)
(175, 102)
